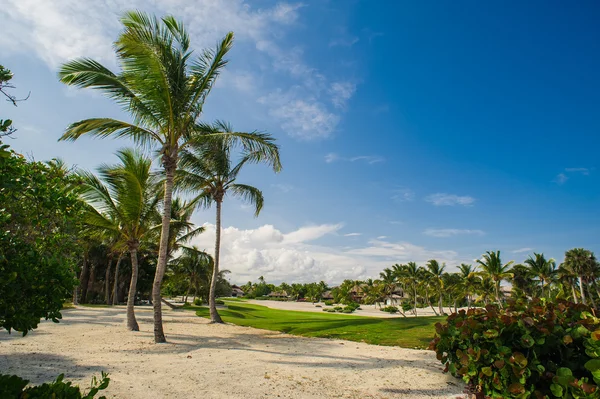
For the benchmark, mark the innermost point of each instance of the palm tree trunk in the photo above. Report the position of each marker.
(440, 303)
(214, 315)
(107, 281)
(131, 321)
(83, 278)
(581, 291)
(169, 165)
(91, 281)
(115, 287)
(497, 289)
(589, 291)
(415, 289)
(574, 292)
(429, 302)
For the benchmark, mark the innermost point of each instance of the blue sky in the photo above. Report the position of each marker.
(409, 130)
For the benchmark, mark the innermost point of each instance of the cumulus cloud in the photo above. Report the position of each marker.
(352, 234)
(297, 256)
(57, 31)
(443, 199)
(442, 233)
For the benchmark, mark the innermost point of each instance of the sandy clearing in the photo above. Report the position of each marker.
(203, 360)
(365, 310)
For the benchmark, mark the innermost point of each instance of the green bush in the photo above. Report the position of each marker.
(347, 311)
(406, 306)
(328, 303)
(198, 302)
(219, 302)
(353, 306)
(527, 350)
(390, 309)
(13, 387)
(336, 308)
(318, 306)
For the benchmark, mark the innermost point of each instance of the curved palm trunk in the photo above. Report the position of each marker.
(107, 281)
(131, 321)
(159, 335)
(574, 292)
(415, 290)
(591, 296)
(582, 291)
(429, 302)
(91, 281)
(214, 315)
(440, 303)
(116, 285)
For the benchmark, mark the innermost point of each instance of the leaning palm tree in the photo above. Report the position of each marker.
(163, 87)
(543, 269)
(581, 261)
(123, 203)
(207, 171)
(492, 267)
(436, 272)
(412, 274)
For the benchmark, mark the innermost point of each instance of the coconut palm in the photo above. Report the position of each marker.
(567, 277)
(492, 267)
(207, 171)
(123, 202)
(436, 272)
(412, 274)
(469, 282)
(195, 267)
(543, 269)
(163, 87)
(581, 261)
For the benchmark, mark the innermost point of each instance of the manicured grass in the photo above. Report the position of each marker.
(94, 305)
(405, 332)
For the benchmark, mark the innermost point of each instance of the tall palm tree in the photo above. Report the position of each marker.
(542, 268)
(207, 170)
(436, 272)
(412, 274)
(492, 267)
(163, 87)
(469, 282)
(581, 261)
(567, 277)
(195, 266)
(123, 202)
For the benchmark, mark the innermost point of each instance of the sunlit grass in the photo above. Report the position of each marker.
(404, 332)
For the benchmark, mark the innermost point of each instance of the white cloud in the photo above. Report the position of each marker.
(295, 257)
(451, 232)
(370, 159)
(341, 92)
(521, 250)
(561, 178)
(396, 222)
(284, 188)
(344, 41)
(58, 30)
(403, 195)
(583, 171)
(381, 237)
(440, 199)
(352, 234)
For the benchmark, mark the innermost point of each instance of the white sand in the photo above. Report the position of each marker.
(365, 310)
(203, 360)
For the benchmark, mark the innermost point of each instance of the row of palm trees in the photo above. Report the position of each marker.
(163, 86)
(489, 280)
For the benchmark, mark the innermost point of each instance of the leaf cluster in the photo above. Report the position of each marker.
(14, 387)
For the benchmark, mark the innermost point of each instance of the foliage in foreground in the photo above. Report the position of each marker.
(404, 332)
(39, 215)
(14, 387)
(527, 350)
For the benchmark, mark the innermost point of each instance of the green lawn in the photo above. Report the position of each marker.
(405, 332)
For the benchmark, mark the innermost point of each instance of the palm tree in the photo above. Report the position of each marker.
(164, 90)
(581, 261)
(543, 269)
(493, 268)
(470, 282)
(195, 267)
(123, 203)
(567, 276)
(207, 171)
(412, 274)
(437, 271)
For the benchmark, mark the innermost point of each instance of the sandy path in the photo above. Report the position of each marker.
(365, 310)
(203, 360)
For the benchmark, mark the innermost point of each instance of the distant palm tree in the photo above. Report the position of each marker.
(493, 268)
(207, 172)
(581, 261)
(469, 282)
(568, 279)
(413, 274)
(164, 88)
(125, 206)
(436, 272)
(544, 270)
(195, 266)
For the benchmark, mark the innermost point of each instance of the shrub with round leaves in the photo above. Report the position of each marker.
(532, 349)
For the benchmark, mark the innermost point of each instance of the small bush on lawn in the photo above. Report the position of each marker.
(328, 303)
(197, 302)
(527, 350)
(14, 387)
(353, 306)
(219, 302)
(347, 311)
(390, 309)
(318, 306)
(407, 307)
(338, 308)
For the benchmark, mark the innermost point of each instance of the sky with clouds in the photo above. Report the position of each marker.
(409, 131)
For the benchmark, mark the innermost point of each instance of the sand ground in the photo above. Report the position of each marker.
(204, 360)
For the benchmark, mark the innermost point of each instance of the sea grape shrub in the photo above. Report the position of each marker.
(390, 309)
(14, 387)
(530, 349)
